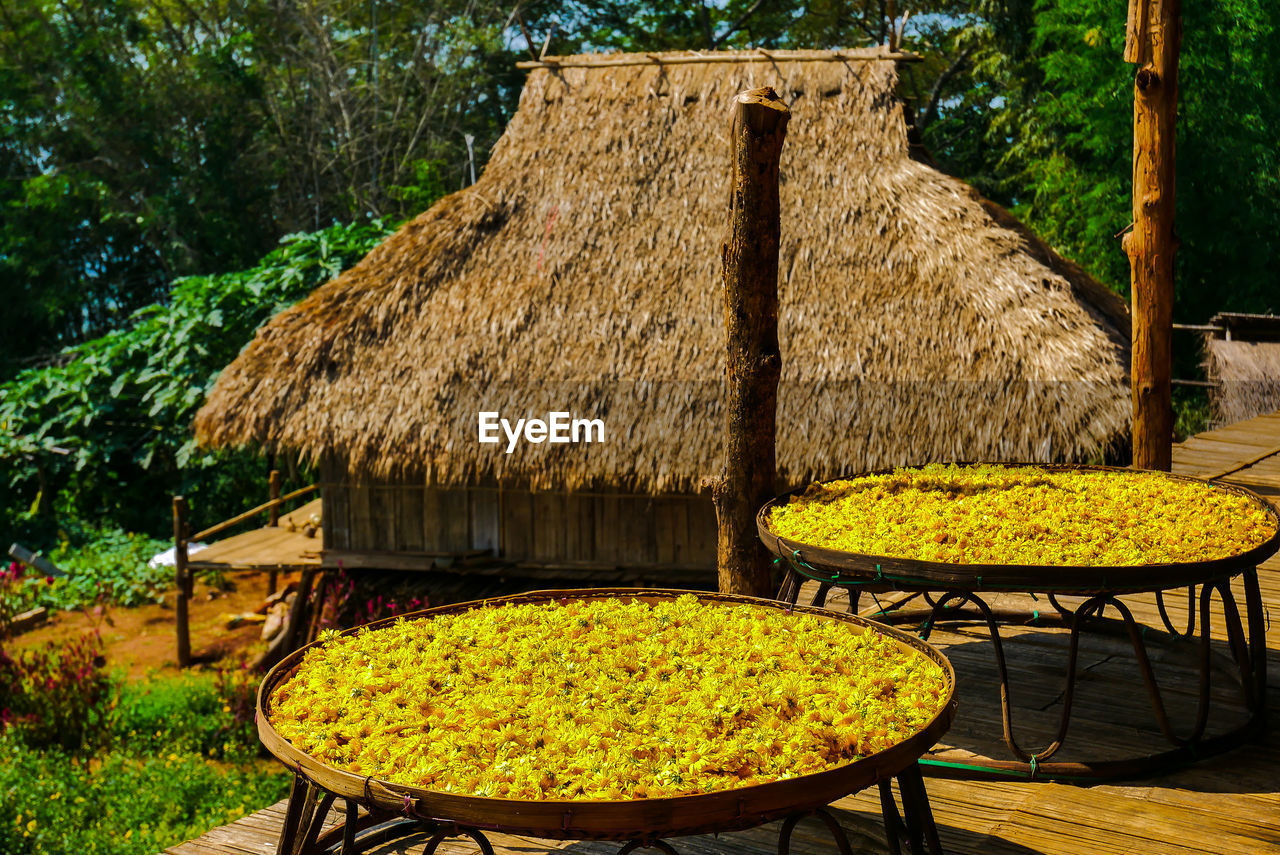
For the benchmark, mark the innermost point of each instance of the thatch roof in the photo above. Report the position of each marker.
(1243, 360)
(581, 273)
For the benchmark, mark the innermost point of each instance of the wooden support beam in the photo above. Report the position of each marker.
(273, 494)
(760, 55)
(1152, 40)
(750, 264)
(273, 520)
(182, 580)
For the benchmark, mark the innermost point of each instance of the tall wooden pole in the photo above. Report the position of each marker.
(182, 579)
(273, 493)
(273, 519)
(1152, 39)
(750, 259)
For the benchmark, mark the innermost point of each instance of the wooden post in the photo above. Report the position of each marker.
(750, 259)
(1152, 39)
(273, 493)
(181, 579)
(273, 517)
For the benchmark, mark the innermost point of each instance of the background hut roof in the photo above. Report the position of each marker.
(1243, 359)
(581, 273)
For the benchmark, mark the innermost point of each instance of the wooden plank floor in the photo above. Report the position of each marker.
(1225, 805)
(266, 547)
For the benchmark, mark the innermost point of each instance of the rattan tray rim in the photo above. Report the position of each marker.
(863, 568)
(723, 810)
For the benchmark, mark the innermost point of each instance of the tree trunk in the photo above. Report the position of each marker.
(1155, 30)
(750, 257)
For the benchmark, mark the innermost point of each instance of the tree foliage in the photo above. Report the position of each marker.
(105, 434)
(143, 140)
(1048, 131)
(147, 147)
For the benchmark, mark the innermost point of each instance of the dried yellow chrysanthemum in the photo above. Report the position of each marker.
(605, 699)
(992, 514)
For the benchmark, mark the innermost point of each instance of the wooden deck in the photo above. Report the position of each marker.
(1224, 805)
(282, 547)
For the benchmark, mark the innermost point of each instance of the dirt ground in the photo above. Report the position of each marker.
(141, 641)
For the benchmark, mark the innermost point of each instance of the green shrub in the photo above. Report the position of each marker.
(103, 567)
(122, 802)
(155, 763)
(194, 713)
(109, 566)
(105, 432)
(56, 695)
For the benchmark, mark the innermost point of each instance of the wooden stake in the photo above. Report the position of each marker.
(1151, 244)
(750, 259)
(273, 493)
(180, 577)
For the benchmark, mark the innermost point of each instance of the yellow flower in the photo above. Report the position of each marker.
(604, 699)
(991, 514)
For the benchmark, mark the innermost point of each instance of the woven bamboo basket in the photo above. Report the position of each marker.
(725, 810)
(839, 566)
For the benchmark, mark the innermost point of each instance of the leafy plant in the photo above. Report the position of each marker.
(141, 140)
(108, 430)
(195, 713)
(57, 695)
(1191, 412)
(18, 593)
(122, 802)
(110, 568)
(157, 762)
(378, 596)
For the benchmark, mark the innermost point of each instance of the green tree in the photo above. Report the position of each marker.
(1048, 131)
(144, 140)
(105, 433)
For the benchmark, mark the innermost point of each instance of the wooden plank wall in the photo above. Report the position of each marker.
(545, 527)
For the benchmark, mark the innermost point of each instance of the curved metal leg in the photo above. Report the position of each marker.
(1244, 657)
(789, 592)
(1254, 611)
(1191, 613)
(1065, 613)
(660, 845)
(451, 830)
(915, 825)
(1240, 651)
(1006, 707)
(833, 826)
(354, 840)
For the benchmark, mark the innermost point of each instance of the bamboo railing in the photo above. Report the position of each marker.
(182, 537)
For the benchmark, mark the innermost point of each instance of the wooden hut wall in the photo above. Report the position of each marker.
(407, 526)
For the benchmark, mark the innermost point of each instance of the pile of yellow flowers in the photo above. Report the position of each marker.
(993, 514)
(605, 699)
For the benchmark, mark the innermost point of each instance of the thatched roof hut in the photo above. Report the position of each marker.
(581, 273)
(1242, 359)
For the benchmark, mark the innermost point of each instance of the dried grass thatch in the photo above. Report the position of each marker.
(1244, 367)
(581, 273)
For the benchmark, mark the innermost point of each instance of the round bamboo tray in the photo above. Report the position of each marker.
(726, 810)
(841, 567)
